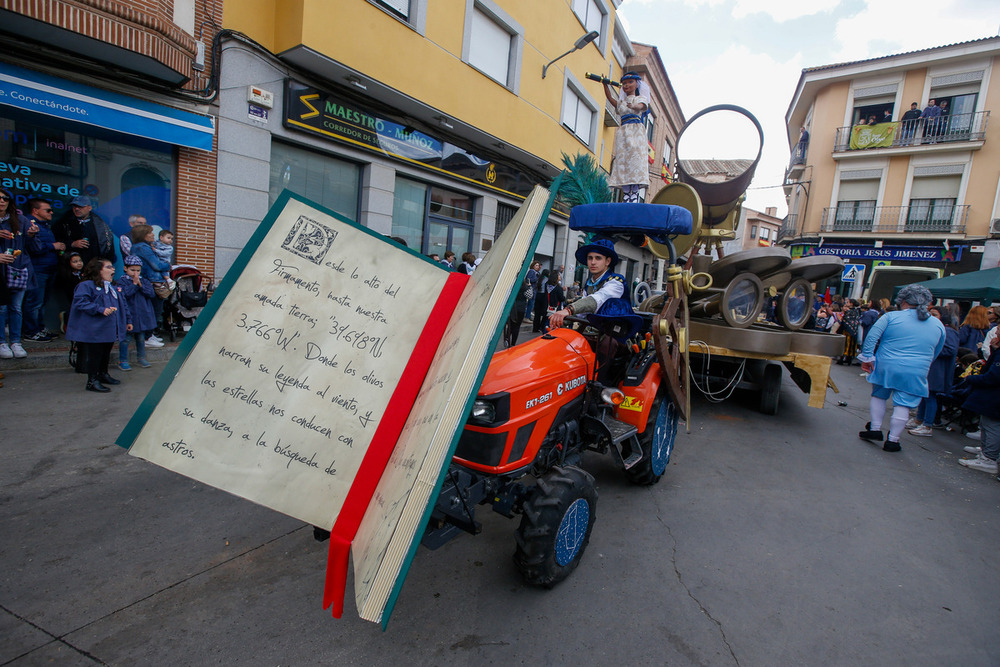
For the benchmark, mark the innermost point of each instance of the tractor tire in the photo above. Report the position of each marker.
(657, 444)
(555, 528)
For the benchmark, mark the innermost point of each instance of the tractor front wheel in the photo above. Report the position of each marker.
(657, 444)
(555, 528)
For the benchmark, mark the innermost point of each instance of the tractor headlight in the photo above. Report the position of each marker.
(483, 412)
(612, 396)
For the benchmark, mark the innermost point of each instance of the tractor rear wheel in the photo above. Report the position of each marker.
(657, 444)
(555, 528)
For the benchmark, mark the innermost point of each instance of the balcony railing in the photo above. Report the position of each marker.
(919, 132)
(789, 229)
(917, 218)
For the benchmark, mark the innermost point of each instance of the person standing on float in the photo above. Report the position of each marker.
(630, 161)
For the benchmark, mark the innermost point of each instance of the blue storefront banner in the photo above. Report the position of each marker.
(40, 93)
(888, 253)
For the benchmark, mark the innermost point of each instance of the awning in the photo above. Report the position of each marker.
(33, 91)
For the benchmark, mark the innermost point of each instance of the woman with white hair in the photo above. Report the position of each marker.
(908, 340)
(630, 162)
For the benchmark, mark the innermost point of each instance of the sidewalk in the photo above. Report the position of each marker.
(55, 354)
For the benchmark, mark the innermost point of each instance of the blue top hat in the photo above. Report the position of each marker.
(604, 247)
(616, 318)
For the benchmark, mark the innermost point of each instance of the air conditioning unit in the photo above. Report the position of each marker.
(995, 227)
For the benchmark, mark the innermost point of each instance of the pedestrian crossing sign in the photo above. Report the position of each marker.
(852, 272)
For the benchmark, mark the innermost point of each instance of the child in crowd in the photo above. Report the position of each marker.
(164, 248)
(139, 295)
(100, 317)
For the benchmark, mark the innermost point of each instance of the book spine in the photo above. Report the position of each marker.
(384, 441)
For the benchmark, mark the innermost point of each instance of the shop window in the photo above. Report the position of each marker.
(432, 219)
(123, 175)
(326, 180)
(579, 112)
(493, 42)
(594, 16)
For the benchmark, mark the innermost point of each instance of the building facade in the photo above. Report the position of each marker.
(112, 99)
(875, 185)
(419, 120)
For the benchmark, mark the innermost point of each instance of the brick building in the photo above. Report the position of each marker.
(113, 99)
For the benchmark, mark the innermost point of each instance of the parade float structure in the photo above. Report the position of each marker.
(725, 295)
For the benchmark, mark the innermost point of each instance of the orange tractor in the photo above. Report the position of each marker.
(602, 387)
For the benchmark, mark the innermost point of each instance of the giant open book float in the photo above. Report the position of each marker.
(329, 379)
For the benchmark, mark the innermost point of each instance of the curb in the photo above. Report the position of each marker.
(55, 355)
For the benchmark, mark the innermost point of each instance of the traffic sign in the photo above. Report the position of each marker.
(851, 272)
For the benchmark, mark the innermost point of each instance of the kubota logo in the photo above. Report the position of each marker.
(571, 384)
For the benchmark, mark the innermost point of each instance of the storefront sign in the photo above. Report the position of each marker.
(331, 116)
(51, 96)
(887, 253)
(880, 135)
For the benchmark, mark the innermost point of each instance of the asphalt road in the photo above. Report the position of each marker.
(771, 541)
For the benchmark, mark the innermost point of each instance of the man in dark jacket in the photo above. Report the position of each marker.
(985, 400)
(84, 231)
(45, 260)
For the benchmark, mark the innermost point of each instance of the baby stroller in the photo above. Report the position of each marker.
(183, 306)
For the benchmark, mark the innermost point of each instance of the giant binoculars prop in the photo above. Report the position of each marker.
(714, 201)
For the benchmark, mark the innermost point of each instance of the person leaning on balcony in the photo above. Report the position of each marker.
(931, 116)
(909, 120)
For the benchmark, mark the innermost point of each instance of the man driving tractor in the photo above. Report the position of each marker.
(603, 283)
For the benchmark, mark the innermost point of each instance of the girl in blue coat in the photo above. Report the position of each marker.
(138, 293)
(99, 317)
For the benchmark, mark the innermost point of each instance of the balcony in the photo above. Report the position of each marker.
(789, 228)
(909, 133)
(913, 219)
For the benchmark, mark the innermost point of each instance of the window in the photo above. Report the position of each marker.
(330, 182)
(184, 15)
(505, 213)
(621, 48)
(431, 219)
(593, 14)
(855, 216)
(400, 8)
(411, 12)
(932, 200)
(930, 215)
(856, 203)
(753, 231)
(493, 42)
(765, 233)
(579, 112)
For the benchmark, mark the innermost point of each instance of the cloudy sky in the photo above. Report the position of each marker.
(751, 52)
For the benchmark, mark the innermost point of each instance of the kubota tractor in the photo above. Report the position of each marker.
(607, 385)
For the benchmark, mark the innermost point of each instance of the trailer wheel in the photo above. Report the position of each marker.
(555, 528)
(657, 444)
(770, 389)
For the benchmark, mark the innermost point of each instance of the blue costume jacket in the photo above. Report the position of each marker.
(87, 321)
(906, 348)
(140, 302)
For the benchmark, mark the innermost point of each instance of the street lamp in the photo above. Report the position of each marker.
(580, 43)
